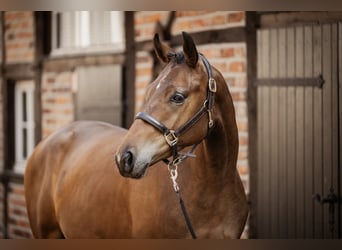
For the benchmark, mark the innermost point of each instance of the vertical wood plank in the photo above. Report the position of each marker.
(266, 138)
(291, 143)
(317, 106)
(308, 136)
(251, 48)
(273, 167)
(299, 134)
(282, 155)
(261, 201)
(327, 122)
(339, 207)
(334, 106)
(260, 100)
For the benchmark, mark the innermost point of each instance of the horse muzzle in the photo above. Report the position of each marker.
(128, 165)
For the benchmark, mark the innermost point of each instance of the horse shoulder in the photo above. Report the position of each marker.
(53, 166)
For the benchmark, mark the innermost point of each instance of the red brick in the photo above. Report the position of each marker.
(243, 170)
(242, 126)
(143, 19)
(240, 52)
(61, 100)
(210, 52)
(20, 232)
(240, 82)
(143, 72)
(47, 132)
(218, 20)
(182, 25)
(238, 96)
(221, 66)
(241, 111)
(242, 155)
(198, 23)
(45, 110)
(25, 24)
(227, 52)
(141, 84)
(142, 59)
(15, 46)
(237, 67)
(191, 13)
(22, 35)
(17, 190)
(243, 140)
(16, 201)
(15, 15)
(236, 17)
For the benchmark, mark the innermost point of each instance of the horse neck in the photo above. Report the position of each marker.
(219, 150)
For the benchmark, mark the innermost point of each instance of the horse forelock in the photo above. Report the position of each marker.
(177, 57)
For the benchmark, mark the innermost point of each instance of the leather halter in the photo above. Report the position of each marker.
(171, 136)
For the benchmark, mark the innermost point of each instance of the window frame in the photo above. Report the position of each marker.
(81, 42)
(21, 87)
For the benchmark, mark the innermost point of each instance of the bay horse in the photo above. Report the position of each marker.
(74, 188)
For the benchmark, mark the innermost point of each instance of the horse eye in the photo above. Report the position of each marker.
(177, 98)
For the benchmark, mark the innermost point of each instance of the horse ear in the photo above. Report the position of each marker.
(161, 49)
(190, 51)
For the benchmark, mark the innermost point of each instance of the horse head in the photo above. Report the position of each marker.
(176, 111)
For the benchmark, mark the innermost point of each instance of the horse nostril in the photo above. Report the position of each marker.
(127, 161)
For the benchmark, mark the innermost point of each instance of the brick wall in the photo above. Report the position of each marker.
(190, 21)
(57, 101)
(18, 225)
(19, 44)
(19, 37)
(228, 58)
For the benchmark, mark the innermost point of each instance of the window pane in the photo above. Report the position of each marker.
(24, 106)
(67, 29)
(117, 32)
(82, 29)
(24, 143)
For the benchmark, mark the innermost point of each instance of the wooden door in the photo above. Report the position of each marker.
(298, 131)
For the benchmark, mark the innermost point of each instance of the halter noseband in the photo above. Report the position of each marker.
(171, 136)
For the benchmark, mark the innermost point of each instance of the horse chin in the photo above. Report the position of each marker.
(139, 172)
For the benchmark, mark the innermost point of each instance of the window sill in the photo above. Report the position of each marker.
(10, 176)
(64, 52)
(19, 167)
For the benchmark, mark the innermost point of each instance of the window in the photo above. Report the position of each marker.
(24, 123)
(98, 93)
(87, 31)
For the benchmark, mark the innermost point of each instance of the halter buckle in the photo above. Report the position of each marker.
(212, 85)
(171, 138)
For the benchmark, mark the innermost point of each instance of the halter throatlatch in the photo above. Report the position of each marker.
(171, 136)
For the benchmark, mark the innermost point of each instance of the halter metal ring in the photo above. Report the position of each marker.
(171, 138)
(212, 85)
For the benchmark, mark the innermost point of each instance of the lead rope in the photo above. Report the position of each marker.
(173, 169)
